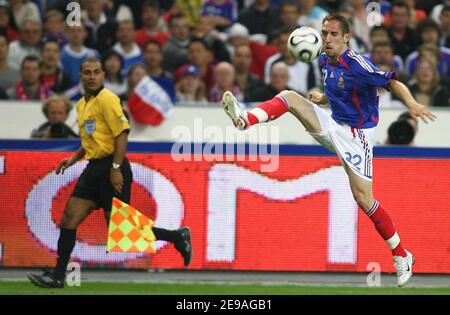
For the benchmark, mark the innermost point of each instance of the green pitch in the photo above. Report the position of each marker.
(214, 289)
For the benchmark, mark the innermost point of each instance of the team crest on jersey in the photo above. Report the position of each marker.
(332, 75)
(341, 81)
(89, 126)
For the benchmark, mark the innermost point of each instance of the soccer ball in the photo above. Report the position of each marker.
(305, 44)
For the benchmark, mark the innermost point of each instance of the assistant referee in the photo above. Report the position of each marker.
(104, 136)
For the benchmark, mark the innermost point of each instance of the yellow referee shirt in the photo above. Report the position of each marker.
(100, 121)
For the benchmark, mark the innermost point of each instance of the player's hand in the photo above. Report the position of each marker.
(63, 165)
(422, 112)
(117, 180)
(317, 97)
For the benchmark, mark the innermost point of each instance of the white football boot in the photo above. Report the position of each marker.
(238, 115)
(403, 266)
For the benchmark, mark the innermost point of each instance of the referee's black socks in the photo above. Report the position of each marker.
(166, 235)
(66, 243)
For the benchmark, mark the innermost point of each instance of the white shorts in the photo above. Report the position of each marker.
(353, 146)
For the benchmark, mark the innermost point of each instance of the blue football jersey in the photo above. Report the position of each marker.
(351, 85)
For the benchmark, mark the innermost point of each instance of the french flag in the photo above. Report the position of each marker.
(149, 103)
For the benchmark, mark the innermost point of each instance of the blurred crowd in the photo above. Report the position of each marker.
(195, 53)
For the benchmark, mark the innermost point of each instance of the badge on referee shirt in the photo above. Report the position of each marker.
(89, 126)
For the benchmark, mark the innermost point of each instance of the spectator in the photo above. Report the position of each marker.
(112, 64)
(224, 74)
(238, 35)
(8, 75)
(441, 55)
(23, 10)
(101, 30)
(54, 26)
(190, 87)
(383, 53)
(135, 74)
(355, 42)
(289, 14)
(30, 34)
(51, 73)
(417, 15)
(403, 130)
(204, 29)
(126, 47)
(245, 80)
(279, 78)
(74, 53)
(445, 26)
(435, 8)
(151, 31)
(261, 17)
(358, 19)
(5, 22)
(153, 59)
(223, 13)
(175, 51)
(301, 74)
(311, 14)
(30, 87)
(201, 56)
(56, 110)
(403, 38)
(378, 33)
(428, 87)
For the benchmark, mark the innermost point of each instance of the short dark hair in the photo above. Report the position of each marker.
(400, 4)
(382, 44)
(291, 3)
(152, 41)
(109, 54)
(379, 28)
(200, 41)
(29, 58)
(345, 24)
(91, 59)
(427, 24)
(176, 16)
(50, 41)
(150, 4)
(445, 8)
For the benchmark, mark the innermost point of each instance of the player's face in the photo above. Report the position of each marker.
(334, 41)
(92, 76)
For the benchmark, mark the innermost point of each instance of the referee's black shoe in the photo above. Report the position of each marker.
(46, 280)
(184, 245)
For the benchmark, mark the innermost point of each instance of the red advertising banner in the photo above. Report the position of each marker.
(301, 217)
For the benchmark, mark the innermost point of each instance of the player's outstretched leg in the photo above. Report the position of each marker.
(285, 101)
(180, 238)
(362, 192)
(403, 259)
(266, 111)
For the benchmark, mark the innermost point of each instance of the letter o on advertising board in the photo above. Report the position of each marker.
(39, 216)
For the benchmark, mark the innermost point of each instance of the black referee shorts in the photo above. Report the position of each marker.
(95, 184)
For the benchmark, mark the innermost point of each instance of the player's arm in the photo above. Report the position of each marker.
(67, 162)
(417, 110)
(120, 148)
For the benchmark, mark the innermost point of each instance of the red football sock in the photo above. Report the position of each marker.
(268, 110)
(385, 228)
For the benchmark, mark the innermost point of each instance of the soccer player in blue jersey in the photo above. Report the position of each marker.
(351, 88)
